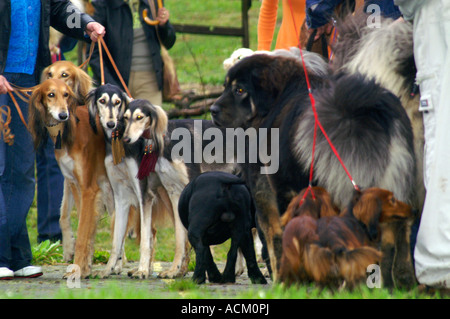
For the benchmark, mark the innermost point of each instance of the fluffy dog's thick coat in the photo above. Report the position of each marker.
(53, 106)
(366, 123)
(214, 207)
(384, 54)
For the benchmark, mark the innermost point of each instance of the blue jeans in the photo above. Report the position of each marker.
(17, 183)
(50, 185)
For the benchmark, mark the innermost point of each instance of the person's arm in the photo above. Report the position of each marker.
(66, 18)
(266, 24)
(165, 30)
(318, 15)
(408, 8)
(100, 17)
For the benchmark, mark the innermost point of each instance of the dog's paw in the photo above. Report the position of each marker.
(172, 273)
(138, 274)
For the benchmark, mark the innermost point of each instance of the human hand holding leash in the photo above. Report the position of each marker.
(4, 85)
(95, 30)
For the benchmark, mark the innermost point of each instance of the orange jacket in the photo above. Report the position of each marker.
(289, 32)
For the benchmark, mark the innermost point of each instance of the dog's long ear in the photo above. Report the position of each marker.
(44, 74)
(367, 210)
(92, 109)
(83, 83)
(36, 116)
(270, 77)
(125, 102)
(159, 127)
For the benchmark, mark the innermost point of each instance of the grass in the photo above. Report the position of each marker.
(48, 254)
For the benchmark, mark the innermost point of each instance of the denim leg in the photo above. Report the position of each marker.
(50, 184)
(17, 182)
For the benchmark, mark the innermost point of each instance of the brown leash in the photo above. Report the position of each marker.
(101, 43)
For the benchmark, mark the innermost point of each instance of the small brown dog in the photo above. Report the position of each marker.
(303, 260)
(333, 250)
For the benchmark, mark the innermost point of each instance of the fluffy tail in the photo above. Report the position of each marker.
(353, 264)
(371, 133)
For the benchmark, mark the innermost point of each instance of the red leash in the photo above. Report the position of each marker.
(317, 122)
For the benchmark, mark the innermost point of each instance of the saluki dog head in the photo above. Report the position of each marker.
(375, 206)
(143, 119)
(78, 80)
(51, 103)
(109, 102)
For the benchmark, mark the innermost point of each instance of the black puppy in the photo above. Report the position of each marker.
(214, 207)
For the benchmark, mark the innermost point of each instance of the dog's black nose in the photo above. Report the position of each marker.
(111, 124)
(214, 110)
(126, 140)
(63, 116)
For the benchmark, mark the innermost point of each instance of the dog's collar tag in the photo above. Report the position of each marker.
(118, 151)
(55, 132)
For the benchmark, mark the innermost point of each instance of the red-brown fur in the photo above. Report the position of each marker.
(81, 159)
(338, 249)
(317, 203)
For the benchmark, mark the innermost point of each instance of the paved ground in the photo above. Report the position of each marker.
(52, 285)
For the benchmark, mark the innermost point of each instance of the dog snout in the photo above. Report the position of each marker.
(63, 116)
(215, 109)
(111, 124)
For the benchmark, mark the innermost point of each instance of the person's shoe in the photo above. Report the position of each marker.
(6, 273)
(28, 272)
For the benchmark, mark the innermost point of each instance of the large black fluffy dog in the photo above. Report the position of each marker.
(214, 207)
(365, 122)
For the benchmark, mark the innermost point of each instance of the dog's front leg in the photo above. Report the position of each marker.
(403, 270)
(269, 221)
(180, 260)
(114, 265)
(146, 245)
(84, 247)
(64, 222)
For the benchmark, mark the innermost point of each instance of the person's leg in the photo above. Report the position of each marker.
(143, 85)
(431, 43)
(5, 247)
(17, 181)
(50, 183)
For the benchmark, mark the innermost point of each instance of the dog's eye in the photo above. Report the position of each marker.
(102, 101)
(125, 118)
(239, 91)
(66, 94)
(51, 94)
(393, 200)
(118, 102)
(139, 117)
(64, 75)
(50, 75)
